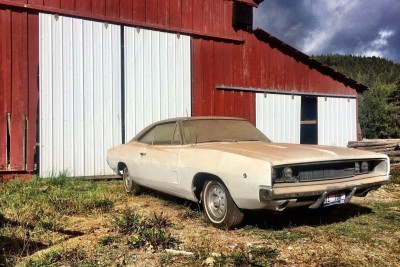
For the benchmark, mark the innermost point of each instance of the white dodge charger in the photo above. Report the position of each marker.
(229, 165)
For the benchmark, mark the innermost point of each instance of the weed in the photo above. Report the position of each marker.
(190, 214)
(166, 259)
(290, 235)
(396, 176)
(158, 221)
(103, 204)
(48, 259)
(129, 222)
(156, 239)
(106, 240)
(150, 231)
(257, 256)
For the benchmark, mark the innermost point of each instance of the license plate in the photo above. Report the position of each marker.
(335, 199)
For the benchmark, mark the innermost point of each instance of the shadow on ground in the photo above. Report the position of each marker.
(304, 216)
(279, 220)
(12, 247)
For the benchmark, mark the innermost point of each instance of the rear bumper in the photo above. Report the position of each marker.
(313, 195)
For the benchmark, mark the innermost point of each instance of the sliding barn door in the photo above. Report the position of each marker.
(157, 77)
(80, 95)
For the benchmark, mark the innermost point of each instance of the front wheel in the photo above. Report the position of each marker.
(130, 186)
(219, 207)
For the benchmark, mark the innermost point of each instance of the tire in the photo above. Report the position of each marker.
(130, 186)
(219, 207)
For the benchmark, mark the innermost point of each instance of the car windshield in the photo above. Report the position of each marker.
(221, 130)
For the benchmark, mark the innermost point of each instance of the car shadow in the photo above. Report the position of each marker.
(264, 219)
(303, 216)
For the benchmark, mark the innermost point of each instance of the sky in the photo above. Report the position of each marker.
(358, 27)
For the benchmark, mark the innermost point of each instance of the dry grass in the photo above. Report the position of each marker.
(61, 222)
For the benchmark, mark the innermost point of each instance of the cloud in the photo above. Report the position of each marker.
(360, 27)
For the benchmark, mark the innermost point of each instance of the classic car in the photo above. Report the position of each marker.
(229, 166)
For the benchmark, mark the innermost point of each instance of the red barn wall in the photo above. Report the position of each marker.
(211, 17)
(256, 64)
(19, 50)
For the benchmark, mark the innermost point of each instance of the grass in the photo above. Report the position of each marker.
(65, 222)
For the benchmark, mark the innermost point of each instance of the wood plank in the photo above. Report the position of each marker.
(112, 8)
(175, 13)
(84, 6)
(227, 18)
(238, 79)
(228, 79)
(187, 14)
(98, 7)
(197, 77)
(198, 15)
(52, 3)
(5, 82)
(206, 27)
(152, 11)
(139, 10)
(33, 65)
(126, 8)
(208, 79)
(69, 5)
(19, 83)
(218, 64)
(35, 2)
(163, 12)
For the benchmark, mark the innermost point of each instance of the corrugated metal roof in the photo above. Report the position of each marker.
(300, 56)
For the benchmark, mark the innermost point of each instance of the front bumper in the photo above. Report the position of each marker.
(313, 195)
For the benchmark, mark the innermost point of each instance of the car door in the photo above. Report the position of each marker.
(159, 159)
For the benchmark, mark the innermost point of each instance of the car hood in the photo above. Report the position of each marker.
(280, 153)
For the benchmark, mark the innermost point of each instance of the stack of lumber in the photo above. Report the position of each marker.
(390, 147)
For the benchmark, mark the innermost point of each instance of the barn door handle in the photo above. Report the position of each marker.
(142, 154)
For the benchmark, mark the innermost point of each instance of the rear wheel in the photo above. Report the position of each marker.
(219, 207)
(130, 186)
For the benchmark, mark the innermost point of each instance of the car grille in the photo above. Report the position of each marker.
(325, 171)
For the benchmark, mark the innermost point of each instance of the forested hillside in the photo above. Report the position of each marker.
(380, 106)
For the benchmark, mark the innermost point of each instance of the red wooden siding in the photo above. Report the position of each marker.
(19, 88)
(208, 16)
(253, 65)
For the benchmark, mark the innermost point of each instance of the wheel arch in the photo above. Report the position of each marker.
(120, 167)
(199, 180)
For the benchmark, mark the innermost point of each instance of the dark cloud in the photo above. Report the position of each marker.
(360, 27)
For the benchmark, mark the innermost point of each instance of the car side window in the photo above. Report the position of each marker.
(148, 137)
(166, 134)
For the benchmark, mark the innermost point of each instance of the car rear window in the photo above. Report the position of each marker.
(213, 130)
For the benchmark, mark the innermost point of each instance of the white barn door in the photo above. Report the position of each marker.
(157, 77)
(80, 95)
(337, 121)
(278, 117)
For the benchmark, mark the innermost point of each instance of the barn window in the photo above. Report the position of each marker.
(309, 115)
(242, 17)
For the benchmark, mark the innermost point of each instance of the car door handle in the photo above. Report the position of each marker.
(142, 154)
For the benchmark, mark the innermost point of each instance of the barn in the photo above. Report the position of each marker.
(78, 77)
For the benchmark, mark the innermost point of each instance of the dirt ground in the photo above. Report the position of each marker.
(357, 234)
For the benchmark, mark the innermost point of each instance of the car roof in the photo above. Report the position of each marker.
(146, 129)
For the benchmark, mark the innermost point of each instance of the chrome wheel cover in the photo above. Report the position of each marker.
(216, 202)
(128, 181)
